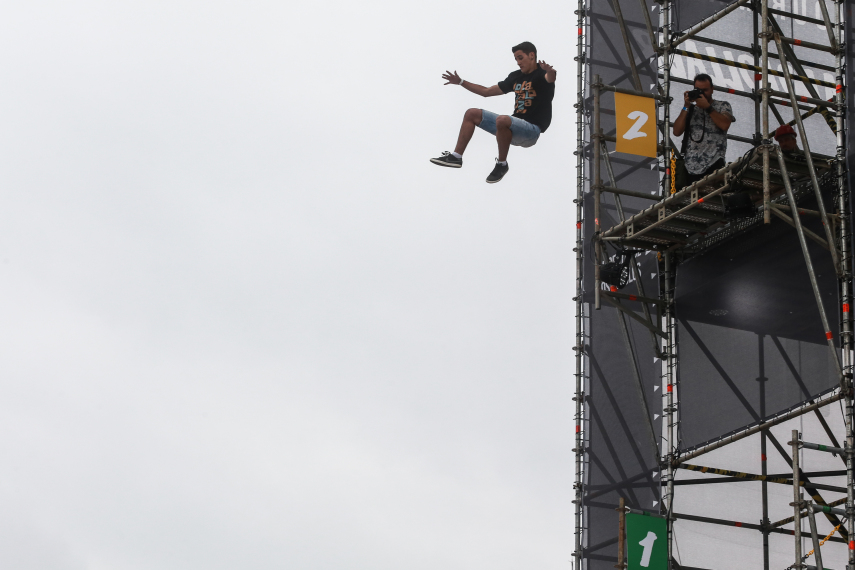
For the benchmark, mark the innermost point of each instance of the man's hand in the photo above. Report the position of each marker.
(703, 102)
(451, 78)
(550, 71)
(686, 100)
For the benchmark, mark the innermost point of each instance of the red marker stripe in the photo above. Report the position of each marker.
(731, 90)
(633, 298)
(804, 99)
(579, 225)
(838, 89)
(670, 387)
(580, 31)
(758, 76)
(762, 457)
(797, 42)
(828, 335)
(613, 289)
(851, 544)
(578, 428)
(845, 307)
(700, 200)
(737, 524)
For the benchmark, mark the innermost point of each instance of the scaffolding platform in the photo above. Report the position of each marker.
(684, 219)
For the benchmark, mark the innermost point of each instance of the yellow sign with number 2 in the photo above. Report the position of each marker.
(636, 125)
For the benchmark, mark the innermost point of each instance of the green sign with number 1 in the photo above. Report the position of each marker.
(646, 543)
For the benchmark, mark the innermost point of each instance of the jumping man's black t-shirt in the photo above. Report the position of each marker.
(534, 94)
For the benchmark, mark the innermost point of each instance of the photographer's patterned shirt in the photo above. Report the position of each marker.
(707, 142)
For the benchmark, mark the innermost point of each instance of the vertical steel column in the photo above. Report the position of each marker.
(598, 184)
(797, 503)
(817, 555)
(764, 469)
(764, 110)
(621, 549)
(664, 52)
(668, 449)
(844, 230)
(669, 386)
(579, 396)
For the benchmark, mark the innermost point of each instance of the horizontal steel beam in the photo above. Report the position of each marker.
(834, 397)
(673, 199)
(632, 314)
(617, 295)
(804, 44)
(625, 91)
(777, 211)
(631, 193)
(811, 64)
(738, 524)
(704, 24)
(750, 67)
(754, 477)
(826, 448)
(795, 16)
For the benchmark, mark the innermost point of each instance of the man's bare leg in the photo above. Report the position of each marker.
(503, 136)
(471, 119)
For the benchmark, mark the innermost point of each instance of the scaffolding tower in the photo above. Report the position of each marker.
(673, 226)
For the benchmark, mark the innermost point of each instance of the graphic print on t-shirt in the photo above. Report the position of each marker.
(525, 93)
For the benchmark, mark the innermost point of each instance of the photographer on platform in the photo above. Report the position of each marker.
(705, 123)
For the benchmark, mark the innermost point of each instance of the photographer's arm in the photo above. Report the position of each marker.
(720, 120)
(680, 121)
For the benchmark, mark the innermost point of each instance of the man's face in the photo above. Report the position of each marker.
(705, 87)
(788, 142)
(526, 61)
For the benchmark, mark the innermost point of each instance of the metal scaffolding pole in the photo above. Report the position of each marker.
(669, 349)
(814, 537)
(579, 395)
(598, 184)
(797, 500)
(764, 114)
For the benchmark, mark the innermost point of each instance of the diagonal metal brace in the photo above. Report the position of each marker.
(632, 314)
(800, 230)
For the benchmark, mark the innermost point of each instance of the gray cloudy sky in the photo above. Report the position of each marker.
(245, 324)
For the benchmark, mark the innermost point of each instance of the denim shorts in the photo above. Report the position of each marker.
(524, 133)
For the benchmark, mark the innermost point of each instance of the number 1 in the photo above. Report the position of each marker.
(647, 543)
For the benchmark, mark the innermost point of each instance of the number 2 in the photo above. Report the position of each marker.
(648, 541)
(634, 132)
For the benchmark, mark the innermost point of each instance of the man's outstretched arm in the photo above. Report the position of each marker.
(550, 71)
(454, 79)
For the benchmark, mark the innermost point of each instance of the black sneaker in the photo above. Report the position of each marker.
(498, 172)
(448, 159)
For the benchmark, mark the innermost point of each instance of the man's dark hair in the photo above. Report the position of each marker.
(703, 77)
(526, 47)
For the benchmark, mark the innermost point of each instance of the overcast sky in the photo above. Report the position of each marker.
(244, 323)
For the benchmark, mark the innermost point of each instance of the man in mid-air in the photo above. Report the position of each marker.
(533, 86)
